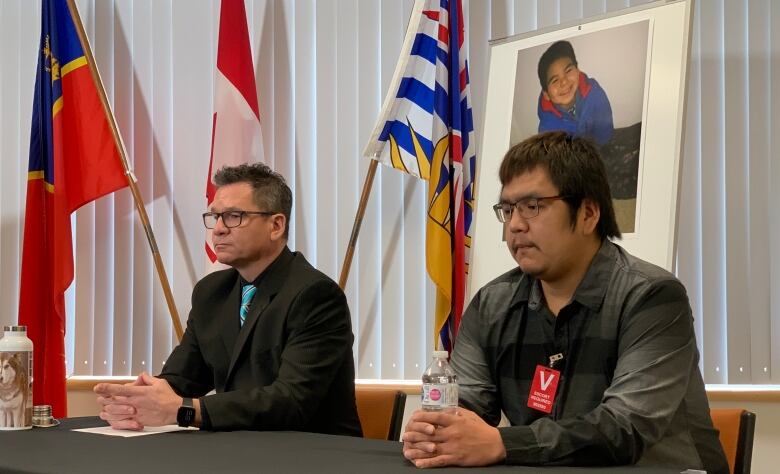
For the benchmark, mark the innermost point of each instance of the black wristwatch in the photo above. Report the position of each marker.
(186, 414)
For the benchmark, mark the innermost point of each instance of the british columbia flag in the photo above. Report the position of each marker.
(425, 128)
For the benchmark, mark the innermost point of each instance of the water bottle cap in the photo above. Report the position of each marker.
(15, 328)
(440, 354)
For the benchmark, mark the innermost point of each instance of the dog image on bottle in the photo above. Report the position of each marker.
(15, 403)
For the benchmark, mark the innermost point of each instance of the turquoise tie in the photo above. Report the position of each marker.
(247, 293)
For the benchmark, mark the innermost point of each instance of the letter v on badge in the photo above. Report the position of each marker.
(543, 388)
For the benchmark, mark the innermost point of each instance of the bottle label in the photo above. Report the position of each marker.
(440, 395)
(15, 390)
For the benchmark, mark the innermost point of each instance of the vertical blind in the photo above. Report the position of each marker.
(322, 70)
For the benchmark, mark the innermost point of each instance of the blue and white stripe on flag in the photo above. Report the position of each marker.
(425, 128)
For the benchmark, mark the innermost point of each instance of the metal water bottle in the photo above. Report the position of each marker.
(16, 377)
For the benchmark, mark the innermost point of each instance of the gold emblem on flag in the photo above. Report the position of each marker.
(52, 65)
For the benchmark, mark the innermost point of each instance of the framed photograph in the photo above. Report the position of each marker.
(618, 80)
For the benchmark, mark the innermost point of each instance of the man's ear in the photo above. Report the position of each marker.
(279, 223)
(545, 95)
(588, 216)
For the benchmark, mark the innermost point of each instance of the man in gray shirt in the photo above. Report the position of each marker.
(589, 351)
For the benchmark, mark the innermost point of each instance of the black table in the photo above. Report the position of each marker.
(59, 450)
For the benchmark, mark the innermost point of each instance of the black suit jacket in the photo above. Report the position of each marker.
(290, 366)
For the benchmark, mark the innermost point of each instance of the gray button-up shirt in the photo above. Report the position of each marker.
(630, 389)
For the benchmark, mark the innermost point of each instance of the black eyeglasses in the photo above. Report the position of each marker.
(230, 219)
(527, 207)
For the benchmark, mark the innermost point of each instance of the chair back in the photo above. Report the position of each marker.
(381, 411)
(736, 428)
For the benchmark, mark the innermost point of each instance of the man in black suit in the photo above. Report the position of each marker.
(272, 335)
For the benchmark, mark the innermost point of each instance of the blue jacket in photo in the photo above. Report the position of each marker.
(591, 116)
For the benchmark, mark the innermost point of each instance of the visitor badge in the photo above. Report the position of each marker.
(543, 388)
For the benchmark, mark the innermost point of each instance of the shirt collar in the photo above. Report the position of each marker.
(268, 269)
(523, 290)
(594, 284)
(591, 290)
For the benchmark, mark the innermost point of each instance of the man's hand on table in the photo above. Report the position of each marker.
(456, 437)
(147, 401)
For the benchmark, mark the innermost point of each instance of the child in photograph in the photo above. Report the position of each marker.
(575, 103)
(570, 100)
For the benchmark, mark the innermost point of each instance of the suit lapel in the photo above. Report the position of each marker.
(230, 325)
(272, 281)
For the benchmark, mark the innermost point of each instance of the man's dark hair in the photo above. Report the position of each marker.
(556, 51)
(270, 190)
(574, 167)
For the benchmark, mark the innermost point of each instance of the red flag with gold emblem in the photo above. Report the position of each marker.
(73, 160)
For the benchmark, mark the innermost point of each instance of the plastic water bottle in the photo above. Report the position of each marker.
(16, 351)
(439, 384)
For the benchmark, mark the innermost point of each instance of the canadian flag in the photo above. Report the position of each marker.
(235, 134)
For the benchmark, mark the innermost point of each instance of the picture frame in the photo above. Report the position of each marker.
(639, 58)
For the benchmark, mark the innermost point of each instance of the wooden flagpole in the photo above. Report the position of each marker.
(361, 211)
(131, 179)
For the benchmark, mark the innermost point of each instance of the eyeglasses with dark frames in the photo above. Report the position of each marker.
(527, 207)
(230, 219)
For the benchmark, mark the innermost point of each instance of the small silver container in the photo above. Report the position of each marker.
(42, 417)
